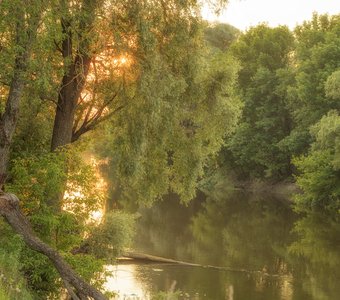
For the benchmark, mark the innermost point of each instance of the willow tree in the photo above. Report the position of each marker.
(94, 60)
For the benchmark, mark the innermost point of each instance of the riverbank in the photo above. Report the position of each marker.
(285, 189)
(221, 182)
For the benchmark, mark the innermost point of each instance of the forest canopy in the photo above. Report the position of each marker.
(132, 80)
(160, 101)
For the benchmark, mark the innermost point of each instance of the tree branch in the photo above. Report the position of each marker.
(9, 209)
(92, 124)
(57, 46)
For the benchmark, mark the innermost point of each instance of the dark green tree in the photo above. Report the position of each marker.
(319, 170)
(253, 150)
(220, 35)
(316, 57)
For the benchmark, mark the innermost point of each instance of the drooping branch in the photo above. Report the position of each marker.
(9, 209)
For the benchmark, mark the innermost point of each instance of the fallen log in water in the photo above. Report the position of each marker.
(157, 259)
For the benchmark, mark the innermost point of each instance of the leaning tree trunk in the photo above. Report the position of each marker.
(9, 204)
(9, 209)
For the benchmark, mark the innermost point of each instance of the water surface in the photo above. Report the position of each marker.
(283, 256)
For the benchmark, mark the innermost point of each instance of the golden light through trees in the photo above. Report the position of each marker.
(109, 73)
(76, 198)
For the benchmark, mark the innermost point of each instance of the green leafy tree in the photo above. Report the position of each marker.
(193, 107)
(315, 59)
(254, 150)
(319, 172)
(138, 64)
(220, 35)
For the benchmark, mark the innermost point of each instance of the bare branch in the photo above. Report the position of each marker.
(57, 46)
(47, 98)
(91, 125)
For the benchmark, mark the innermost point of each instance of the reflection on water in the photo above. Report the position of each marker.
(299, 258)
(126, 283)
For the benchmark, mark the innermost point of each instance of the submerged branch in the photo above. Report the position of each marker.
(9, 209)
(157, 259)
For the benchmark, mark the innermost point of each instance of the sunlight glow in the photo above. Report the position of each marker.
(106, 75)
(245, 13)
(74, 195)
(124, 281)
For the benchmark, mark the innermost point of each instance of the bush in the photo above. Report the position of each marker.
(38, 181)
(12, 282)
(319, 171)
(110, 238)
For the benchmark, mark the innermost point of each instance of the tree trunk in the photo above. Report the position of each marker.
(4, 154)
(9, 209)
(72, 85)
(9, 204)
(8, 120)
(77, 61)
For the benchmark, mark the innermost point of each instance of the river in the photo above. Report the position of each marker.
(276, 253)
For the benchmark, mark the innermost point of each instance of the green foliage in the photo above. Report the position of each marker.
(287, 83)
(319, 172)
(316, 60)
(220, 35)
(167, 295)
(108, 239)
(38, 181)
(332, 85)
(32, 137)
(171, 110)
(40, 274)
(170, 135)
(254, 149)
(159, 140)
(89, 267)
(12, 281)
(318, 181)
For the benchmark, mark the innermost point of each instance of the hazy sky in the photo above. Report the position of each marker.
(245, 13)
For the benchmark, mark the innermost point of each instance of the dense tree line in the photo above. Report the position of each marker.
(289, 86)
(132, 78)
(156, 93)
